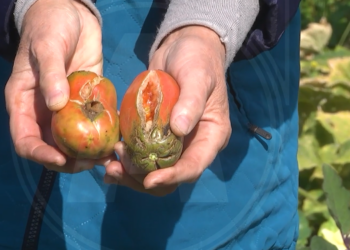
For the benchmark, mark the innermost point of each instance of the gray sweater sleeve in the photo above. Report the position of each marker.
(230, 19)
(22, 6)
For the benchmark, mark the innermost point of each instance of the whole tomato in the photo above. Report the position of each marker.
(88, 126)
(144, 121)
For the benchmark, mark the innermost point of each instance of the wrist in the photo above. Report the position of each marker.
(88, 5)
(23, 6)
(204, 34)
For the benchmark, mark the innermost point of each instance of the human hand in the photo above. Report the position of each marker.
(195, 57)
(57, 38)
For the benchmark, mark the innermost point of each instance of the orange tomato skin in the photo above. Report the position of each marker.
(88, 126)
(150, 146)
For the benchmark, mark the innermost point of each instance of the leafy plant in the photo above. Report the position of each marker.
(334, 233)
(324, 149)
(337, 12)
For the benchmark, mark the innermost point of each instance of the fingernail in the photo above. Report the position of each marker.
(106, 162)
(56, 99)
(183, 124)
(152, 183)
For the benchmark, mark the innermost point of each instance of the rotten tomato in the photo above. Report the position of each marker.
(144, 121)
(88, 126)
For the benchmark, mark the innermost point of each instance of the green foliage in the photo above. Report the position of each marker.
(324, 151)
(337, 13)
(338, 199)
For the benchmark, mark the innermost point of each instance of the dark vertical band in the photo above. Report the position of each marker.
(37, 211)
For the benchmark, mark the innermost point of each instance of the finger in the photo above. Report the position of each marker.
(191, 104)
(116, 173)
(191, 74)
(106, 160)
(199, 152)
(52, 74)
(72, 166)
(26, 135)
(137, 173)
(51, 49)
(35, 149)
(78, 165)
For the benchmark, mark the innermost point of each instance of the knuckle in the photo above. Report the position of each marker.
(194, 168)
(18, 145)
(41, 47)
(193, 179)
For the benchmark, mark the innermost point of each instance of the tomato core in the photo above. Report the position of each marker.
(92, 109)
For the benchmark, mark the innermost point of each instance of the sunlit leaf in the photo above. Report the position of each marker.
(330, 232)
(341, 90)
(307, 152)
(339, 71)
(343, 156)
(317, 173)
(338, 100)
(318, 243)
(328, 153)
(338, 198)
(315, 37)
(337, 124)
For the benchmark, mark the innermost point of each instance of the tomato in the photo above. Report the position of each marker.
(88, 126)
(145, 121)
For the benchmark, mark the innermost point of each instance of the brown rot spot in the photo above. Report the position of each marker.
(92, 109)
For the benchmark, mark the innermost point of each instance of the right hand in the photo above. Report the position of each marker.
(57, 38)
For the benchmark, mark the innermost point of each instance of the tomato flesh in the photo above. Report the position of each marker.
(149, 99)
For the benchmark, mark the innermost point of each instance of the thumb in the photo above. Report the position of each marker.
(195, 89)
(52, 77)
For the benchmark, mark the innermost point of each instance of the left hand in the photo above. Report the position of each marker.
(57, 38)
(195, 57)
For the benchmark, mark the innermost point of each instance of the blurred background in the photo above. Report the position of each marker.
(324, 128)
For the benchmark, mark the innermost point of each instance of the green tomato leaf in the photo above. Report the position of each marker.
(313, 205)
(337, 198)
(330, 232)
(308, 152)
(343, 156)
(338, 100)
(317, 173)
(339, 70)
(302, 248)
(304, 230)
(318, 243)
(341, 89)
(328, 153)
(337, 124)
